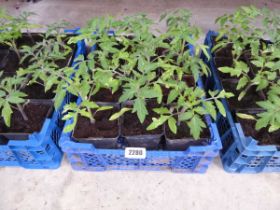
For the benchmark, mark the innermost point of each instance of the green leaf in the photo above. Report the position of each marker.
(172, 96)
(186, 116)
(58, 99)
(241, 95)
(273, 128)
(89, 104)
(262, 122)
(220, 107)
(158, 90)
(104, 108)
(172, 124)
(15, 100)
(69, 128)
(210, 108)
(196, 125)
(120, 113)
(140, 108)
(242, 83)
(7, 113)
(157, 122)
(245, 116)
(161, 110)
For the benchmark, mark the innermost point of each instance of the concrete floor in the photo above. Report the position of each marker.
(65, 189)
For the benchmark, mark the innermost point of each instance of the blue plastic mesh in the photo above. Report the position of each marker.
(240, 154)
(41, 150)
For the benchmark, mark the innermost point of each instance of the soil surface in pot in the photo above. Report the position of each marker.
(262, 136)
(102, 128)
(183, 132)
(105, 95)
(9, 61)
(37, 91)
(36, 114)
(131, 126)
(247, 102)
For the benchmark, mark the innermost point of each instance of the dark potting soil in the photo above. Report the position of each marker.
(262, 136)
(183, 132)
(102, 128)
(222, 52)
(247, 102)
(131, 126)
(9, 61)
(36, 114)
(105, 95)
(37, 91)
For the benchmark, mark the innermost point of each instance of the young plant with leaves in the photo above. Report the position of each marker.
(11, 28)
(82, 85)
(11, 98)
(48, 61)
(256, 63)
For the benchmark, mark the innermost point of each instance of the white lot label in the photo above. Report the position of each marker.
(135, 153)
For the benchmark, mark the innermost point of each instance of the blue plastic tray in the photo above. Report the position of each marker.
(40, 150)
(240, 153)
(196, 159)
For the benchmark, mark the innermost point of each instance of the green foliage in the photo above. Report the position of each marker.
(41, 61)
(142, 67)
(256, 63)
(10, 96)
(11, 28)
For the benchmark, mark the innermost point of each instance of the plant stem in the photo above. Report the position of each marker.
(14, 46)
(22, 112)
(91, 118)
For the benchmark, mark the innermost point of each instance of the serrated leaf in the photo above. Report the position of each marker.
(185, 116)
(172, 96)
(172, 124)
(7, 113)
(58, 99)
(262, 122)
(120, 113)
(69, 128)
(196, 125)
(89, 104)
(140, 108)
(157, 122)
(273, 128)
(220, 107)
(161, 110)
(210, 108)
(242, 83)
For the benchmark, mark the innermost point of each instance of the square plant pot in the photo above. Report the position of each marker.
(241, 152)
(103, 134)
(135, 133)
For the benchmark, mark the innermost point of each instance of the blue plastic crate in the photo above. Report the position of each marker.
(240, 153)
(40, 150)
(196, 159)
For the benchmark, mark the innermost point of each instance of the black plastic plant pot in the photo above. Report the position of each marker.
(136, 134)
(103, 134)
(36, 110)
(182, 140)
(9, 60)
(150, 142)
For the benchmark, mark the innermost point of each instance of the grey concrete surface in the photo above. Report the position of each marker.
(65, 189)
